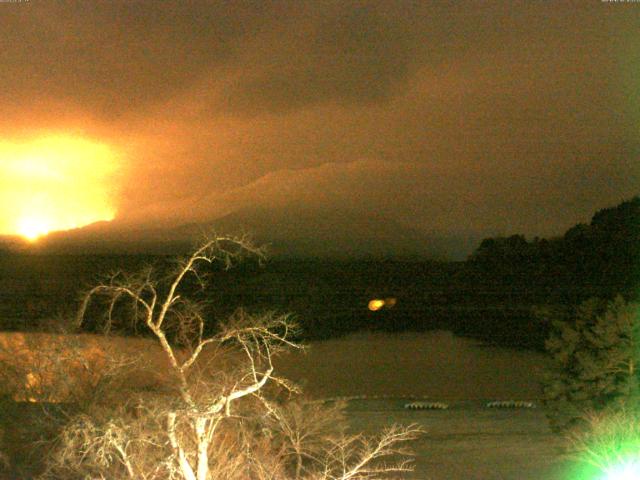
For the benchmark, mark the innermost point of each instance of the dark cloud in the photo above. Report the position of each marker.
(347, 55)
(112, 57)
(497, 117)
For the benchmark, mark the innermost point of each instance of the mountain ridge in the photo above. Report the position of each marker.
(290, 231)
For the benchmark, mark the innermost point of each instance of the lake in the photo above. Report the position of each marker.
(434, 364)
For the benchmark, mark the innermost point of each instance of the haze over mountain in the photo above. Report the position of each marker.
(296, 230)
(289, 231)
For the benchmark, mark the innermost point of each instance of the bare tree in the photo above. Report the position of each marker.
(214, 416)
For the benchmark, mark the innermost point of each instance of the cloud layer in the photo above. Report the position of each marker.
(493, 118)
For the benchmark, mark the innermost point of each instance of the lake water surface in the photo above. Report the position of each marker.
(434, 364)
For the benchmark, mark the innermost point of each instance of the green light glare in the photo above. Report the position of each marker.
(610, 451)
(628, 470)
(623, 470)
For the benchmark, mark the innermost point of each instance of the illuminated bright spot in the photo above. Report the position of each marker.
(376, 304)
(32, 228)
(629, 470)
(31, 386)
(55, 183)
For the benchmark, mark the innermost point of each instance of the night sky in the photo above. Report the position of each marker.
(448, 117)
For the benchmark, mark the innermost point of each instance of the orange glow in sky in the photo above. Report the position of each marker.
(55, 183)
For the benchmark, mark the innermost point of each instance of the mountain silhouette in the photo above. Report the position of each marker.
(290, 231)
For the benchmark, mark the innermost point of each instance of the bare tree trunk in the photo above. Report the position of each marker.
(185, 467)
(298, 462)
(203, 448)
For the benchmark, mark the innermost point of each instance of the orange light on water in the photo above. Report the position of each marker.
(390, 302)
(376, 304)
(55, 183)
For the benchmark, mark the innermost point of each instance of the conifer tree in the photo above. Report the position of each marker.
(595, 357)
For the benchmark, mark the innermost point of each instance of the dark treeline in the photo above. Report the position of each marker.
(602, 258)
(493, 295)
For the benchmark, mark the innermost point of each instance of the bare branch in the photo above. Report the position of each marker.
(356, 457)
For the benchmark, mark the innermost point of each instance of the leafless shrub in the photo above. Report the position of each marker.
(47, 368)
(304, 430)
